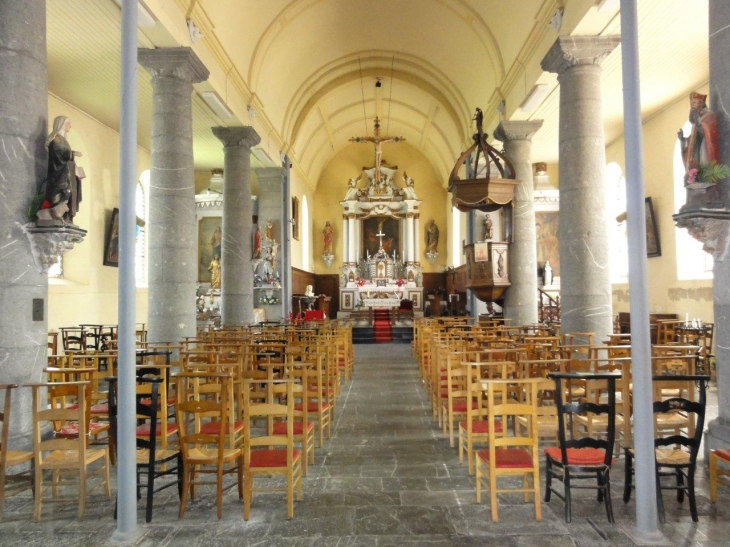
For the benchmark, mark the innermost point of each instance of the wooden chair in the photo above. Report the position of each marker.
(271, 454)
(511, 453)
(205, 453)
(318, 406)
(676, 453)
(300, 374)
(719, 467)
(151, 461)
(64, 454)
(11, 458)
(582, 458)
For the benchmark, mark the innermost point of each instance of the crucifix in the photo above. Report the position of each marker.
(377, 141)
(380, 235)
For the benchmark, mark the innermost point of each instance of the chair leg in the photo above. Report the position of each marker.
(566, 490)
(659, 498)
(82, 491)
(184, 492)
(247, 495)
(548, 479)
(680, 485)
(180, 478)
(493, 494)
(240, 477)
(691, 492)
(38, 494)
(150, 491)
(628, 475)
(607, 495)
(599, 490)
(219, 491)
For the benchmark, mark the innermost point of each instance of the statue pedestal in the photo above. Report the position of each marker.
(47, 242)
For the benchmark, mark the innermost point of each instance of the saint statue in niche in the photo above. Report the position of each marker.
(215, 273)
(701, 148)
(432, 236)
(63, 184)
(269, 231)
(328, 234)
(409, 192)
(257, 243)
(488, 232)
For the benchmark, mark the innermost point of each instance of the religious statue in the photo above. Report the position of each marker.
(409, 192)
(269, 264)
(328, 234)
(269, 230)
(351, 190)
(432, 236)
(257, 243)
(63, 185)
(488, 232)
(377, 141)
(215, 241)
(215, 273)
(701, 149)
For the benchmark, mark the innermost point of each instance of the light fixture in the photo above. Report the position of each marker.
(263, 157)
(534, 98)
(144, 18)
(215, 103)
(378, 83)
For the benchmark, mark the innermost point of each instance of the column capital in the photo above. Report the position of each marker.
(237, 136)
(173, 62)
(517, 130)
(570, 51)
(268, 174)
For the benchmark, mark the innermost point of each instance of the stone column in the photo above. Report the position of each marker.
(718, 432)
(237, 274)
(520, 302)
(173, 243)
(23, 129)
(584, 254)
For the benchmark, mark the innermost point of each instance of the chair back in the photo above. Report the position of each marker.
(147, 401)
(59, 412)
(4, 420)
(693, 409)
(568, 436)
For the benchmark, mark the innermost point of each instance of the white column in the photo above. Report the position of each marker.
(410, 240)
(345, 239)
(417, 242)
(352, 228)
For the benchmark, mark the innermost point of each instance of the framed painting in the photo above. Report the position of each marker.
(389, 227)
(111, 244)
(481, 252)
(548, 246)
(653, 248)
(210, 236)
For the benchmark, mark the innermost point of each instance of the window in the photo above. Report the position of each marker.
(140, 241)
(295, 218)
(692, 261)
(55, 270)
(456, 237)
(306, 253)
(617, 234)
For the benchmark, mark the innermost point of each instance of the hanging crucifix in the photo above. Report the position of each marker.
(377, 141)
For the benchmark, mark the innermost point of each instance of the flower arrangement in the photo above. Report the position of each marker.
(257, 279)
(361, 281)
(266, 299)
(708, 175)
(400, 281)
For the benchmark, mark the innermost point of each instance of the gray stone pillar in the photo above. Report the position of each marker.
(173, 243)
(23, 129)
(520, 303)
(718, 432)
(584, 255)
(270, 207)
(237, 273)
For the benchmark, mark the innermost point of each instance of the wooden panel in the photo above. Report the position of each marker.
(329, 285)
(300, 279)
(434, 282)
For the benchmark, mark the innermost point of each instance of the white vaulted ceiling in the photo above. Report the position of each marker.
(308, 67)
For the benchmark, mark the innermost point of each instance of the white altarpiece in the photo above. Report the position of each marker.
(380, 243)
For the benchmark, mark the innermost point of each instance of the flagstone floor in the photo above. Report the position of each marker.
(387, 478)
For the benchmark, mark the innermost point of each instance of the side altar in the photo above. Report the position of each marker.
(380, 227)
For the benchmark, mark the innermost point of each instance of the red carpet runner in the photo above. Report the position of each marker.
(381, 326)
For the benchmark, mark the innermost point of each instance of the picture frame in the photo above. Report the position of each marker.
(390, 226)
(481, 252)
(210, 236)
(111, 242)
(653, 245)
(381, 282)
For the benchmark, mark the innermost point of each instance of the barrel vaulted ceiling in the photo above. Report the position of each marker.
(303, 72)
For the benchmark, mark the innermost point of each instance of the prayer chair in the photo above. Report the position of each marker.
(11, 458)
(581, 458)
(151, 460)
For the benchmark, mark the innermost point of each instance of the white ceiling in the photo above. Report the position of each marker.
(309, 67)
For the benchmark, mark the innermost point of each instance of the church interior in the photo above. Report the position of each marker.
(302, 159)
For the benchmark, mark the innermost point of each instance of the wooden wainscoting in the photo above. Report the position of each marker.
(329, 285)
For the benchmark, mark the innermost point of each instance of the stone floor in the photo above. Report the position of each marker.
(387, 478)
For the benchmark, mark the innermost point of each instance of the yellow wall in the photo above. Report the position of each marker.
(666, 293)
(88, 291)
(301, 190)
(348, 163)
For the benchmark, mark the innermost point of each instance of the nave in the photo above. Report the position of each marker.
(387, 477)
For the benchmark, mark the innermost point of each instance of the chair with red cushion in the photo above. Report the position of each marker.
(512, 452)
(582, 458)
(271, 454)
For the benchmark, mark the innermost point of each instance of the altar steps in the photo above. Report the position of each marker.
(382, 331)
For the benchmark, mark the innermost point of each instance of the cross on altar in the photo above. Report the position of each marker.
(380, 235)
(377, 141)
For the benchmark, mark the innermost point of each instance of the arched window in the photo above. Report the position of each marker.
(617, 234)
(140, 241)
(304, 234)
(455, 237)
(692, 261)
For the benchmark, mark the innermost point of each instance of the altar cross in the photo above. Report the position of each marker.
(380, 235)
(377, 141)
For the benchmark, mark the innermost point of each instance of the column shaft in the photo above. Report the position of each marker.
(585, 286)
(345, 237)
(173, 244)
(23, 129)
(521, 297)
(236, 271)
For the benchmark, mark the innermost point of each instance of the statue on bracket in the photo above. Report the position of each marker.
(409, 191)
(257, 243)
(215, 273)
(63, 183)
(701, 150)
(432, 242)
(328, 235)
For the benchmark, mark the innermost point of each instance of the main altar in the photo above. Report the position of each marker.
(380, 243)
